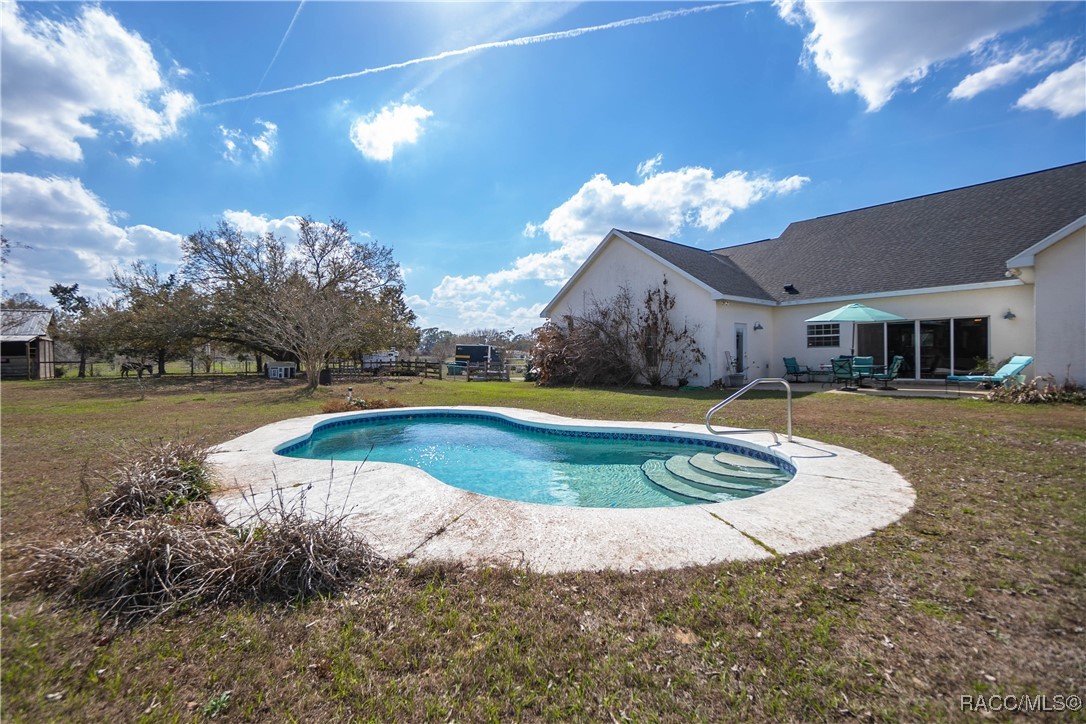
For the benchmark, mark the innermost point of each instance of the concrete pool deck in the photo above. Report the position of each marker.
(837, 495)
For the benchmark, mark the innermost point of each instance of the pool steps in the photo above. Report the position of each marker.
(743, 462)
(707, 463)
(704, 478)
(655, 471)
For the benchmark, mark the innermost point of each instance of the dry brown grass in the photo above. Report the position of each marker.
(981, 589)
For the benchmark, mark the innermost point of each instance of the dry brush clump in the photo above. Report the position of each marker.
(141, 559)
(134, 568)
(619, 342)
(284, 553)
(338, 404)
(151, 478)
(1040, 390)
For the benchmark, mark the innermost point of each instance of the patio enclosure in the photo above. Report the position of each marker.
(932, 348)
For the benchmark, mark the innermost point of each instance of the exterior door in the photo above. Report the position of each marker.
(740, 347)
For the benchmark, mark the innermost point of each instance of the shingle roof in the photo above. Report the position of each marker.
(963, 236)
(21, 325)
(716, 271)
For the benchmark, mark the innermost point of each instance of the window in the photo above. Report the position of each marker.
(823, 335)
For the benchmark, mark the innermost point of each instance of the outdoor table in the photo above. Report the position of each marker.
(867, 371)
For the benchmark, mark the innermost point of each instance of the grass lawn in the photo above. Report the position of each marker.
(981, 589)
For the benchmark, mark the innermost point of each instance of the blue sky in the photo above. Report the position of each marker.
(492, 145)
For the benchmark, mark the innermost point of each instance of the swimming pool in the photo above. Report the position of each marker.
(836, 495)
(551, 465)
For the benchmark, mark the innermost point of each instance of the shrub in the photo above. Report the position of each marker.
(159, 545)
(617, 342)
(342, 405)
(1040, 390)
(286, 554)
(133, 568)
(153, 478)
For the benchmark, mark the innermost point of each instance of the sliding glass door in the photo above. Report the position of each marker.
(970, 344)
(901, 340)
(931, 348)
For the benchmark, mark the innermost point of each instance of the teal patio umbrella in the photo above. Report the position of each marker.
(856, 313)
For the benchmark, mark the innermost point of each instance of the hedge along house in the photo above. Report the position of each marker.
(978, 273)
(26, 344)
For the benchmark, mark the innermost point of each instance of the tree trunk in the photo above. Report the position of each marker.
(161, 362)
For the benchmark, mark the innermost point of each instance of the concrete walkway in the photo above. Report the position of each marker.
(900, 388)
(837, 495)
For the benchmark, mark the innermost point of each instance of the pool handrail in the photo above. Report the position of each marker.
(737, 394)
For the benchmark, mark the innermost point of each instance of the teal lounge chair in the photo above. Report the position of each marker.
(1003, 376)
(795, 370)
(843, 372)
(891, 372)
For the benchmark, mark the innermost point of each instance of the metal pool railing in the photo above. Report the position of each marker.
(739, 393)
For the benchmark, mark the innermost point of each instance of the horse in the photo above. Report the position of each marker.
(138, 367)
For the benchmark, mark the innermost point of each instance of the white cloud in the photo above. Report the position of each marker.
(254, 224)
(662, 204)
(239, 146)
(62, 77)
(648, 167)
(1063, 92)
(1010, 70)
(266, 141)
(378, 135)
(875, 48)
(72, 235)
(136, 161)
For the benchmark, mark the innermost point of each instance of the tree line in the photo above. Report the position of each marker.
(327, 295)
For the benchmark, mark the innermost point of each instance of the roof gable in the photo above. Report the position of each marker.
(25, 323)
(716, 272)
(959, 237)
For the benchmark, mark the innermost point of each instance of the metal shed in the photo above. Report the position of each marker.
(26, 344)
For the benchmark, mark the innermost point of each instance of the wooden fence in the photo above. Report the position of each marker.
(350, 373)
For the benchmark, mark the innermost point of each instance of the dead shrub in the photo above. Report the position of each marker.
(1040, 390)
(135, 568)
(152, 478)
(342, 405)
(284, 554)
(135, 563)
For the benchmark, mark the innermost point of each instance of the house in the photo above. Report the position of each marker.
(26, 344)
(978, 273)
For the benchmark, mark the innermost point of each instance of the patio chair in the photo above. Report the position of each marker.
(1005, 375)
(891, 372)
(843, 372)
(795, 370)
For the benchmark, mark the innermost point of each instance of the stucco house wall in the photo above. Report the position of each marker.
(1006, 337)
(1060, 303)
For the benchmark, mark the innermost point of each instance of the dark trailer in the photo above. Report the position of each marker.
(478, 354)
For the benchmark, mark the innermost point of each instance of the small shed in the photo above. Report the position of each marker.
(26, 344)
(281, 370)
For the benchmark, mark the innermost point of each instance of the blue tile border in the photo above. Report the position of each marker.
(367, 419)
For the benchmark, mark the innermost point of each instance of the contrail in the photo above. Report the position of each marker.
(527, 40)
(281, 43)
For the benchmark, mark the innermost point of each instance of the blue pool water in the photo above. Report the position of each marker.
(510, 460)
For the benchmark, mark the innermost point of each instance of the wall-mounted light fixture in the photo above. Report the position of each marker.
(758, 326)
(1009, 315)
